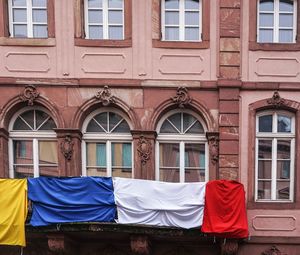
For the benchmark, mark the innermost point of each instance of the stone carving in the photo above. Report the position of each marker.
(182, 97)
(66, 147)
(144, 149)
(273, 251)
(140, 245)
(229, 247)
(105, 97)
(276, 100)
(213, 141)
(30, 93)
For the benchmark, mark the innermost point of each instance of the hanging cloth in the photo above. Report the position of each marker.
(13, 211)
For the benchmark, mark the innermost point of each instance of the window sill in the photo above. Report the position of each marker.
(127, 43)
(36, 42)
(272, 205)
(254, 46)
(180, 45)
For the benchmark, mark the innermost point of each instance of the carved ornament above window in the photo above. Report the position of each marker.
(276, 100)
(66, 147)
(29, 94)
(273, 251)
(144, 149)
(105, 96)
(182, 98)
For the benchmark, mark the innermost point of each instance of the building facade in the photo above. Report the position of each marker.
(169, 90)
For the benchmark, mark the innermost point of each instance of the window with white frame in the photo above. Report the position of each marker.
(107, 145)
(277, 21)
(32, 144)
(181, 148)
(104, 19)
(181, 20)
(28, 18)
(275, 156)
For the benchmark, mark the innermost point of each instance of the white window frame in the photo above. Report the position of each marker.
(274, 136)
(181, 22)
(107, 138)
(276, 27)
(105, 24)
(181, 139)
(34, 136)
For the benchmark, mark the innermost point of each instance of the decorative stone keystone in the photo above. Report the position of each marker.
(30, 93)
(182, 98)
(66, 147)
(276, 100)
(140, 244)
(105, 97)
(144, 149)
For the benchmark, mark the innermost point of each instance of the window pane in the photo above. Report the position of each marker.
(115, 32)
(265, 149)
(40, 118)
(192, 4)
(169, 155)
(175, 119)
(197, 128)
(19, 15)
(23, 152)
(264, 169)
(286, 20)
(114, 119)
(172, 33)
(121, 155)
(192, 34)
(40, 31)
(95, 16)
(20, 30)
(283, 149)
(265, 123)
(266, 5)
(115, 3)
(167, 128)
(20, 125)
(172, 4)
(264, 190)
(284, 123)
(28, 117)
(286, 6)
(265, 35)
(171, 18)
(283, 190)
(192, 18)
(19, 2)
(169, 175)
(39, 3)
(94, 127)
(39, 16)
(283, 169)
(95, 32)
(115, 17)
(92, 171)
(23, 171)
(95, 3)
(48, 152)
(285, 36)
(188, 120)
(195, 155)
(96, 154)
(48, 125)
(194, 175)
(122, 128)
(266, 20)
(48, 171)
(102, 120)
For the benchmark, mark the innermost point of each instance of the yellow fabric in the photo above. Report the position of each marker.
(13, 211)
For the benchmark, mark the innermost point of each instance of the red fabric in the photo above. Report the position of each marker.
(225, 210)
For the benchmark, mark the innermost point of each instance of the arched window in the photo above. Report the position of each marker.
(107, 145)
(181, 148)
(32, 144)
(275, 156)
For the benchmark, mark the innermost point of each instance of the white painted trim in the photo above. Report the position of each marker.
(11, 158)
(181, 161)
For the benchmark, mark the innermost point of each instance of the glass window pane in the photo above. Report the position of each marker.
(40, 118)
(121, 155)
(115, 33)
(192, 18)
(172, 33)
(48, 171)
(123, 127)
(188, 120)
(286, 36)
(172, 18)
(266, 35)
(20, 30)
(95, 32)
(26, 122)
(48, 152)
(115, 3)
(286, 20)
(265, 149)
(39, 3)
(20, 125)
(194, 175)
(102, 120)
(167, 128)
(95, 3)
(169, 155)
(284, 123)
(94, 127)
(40, 31)
(92, 171)
(191, 4)
(264, 190)
(266, 20)
(283, 149)
(115, 17)
(23, 152)
(23, 171)
(192, 34)
(114, 119)
(175, 119)
(195, 155)
(95, 16)
(264, 169)
(265, 123)
(283, 190)
(172, 4)
(19, 2)
(266, 5)
(283, 169)
(39, 16)
(169, 175)
(286, 6)
(197, 128)
(19, 15)
(96, 155)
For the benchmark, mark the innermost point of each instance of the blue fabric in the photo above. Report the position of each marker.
(78, 199)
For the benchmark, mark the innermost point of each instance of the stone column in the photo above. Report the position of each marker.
(4, 153)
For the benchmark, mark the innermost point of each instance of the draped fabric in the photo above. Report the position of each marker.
(159, 203)
(13, 211)
(225, 210)
(79, 199)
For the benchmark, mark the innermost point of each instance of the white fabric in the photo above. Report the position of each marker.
(159, 203)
